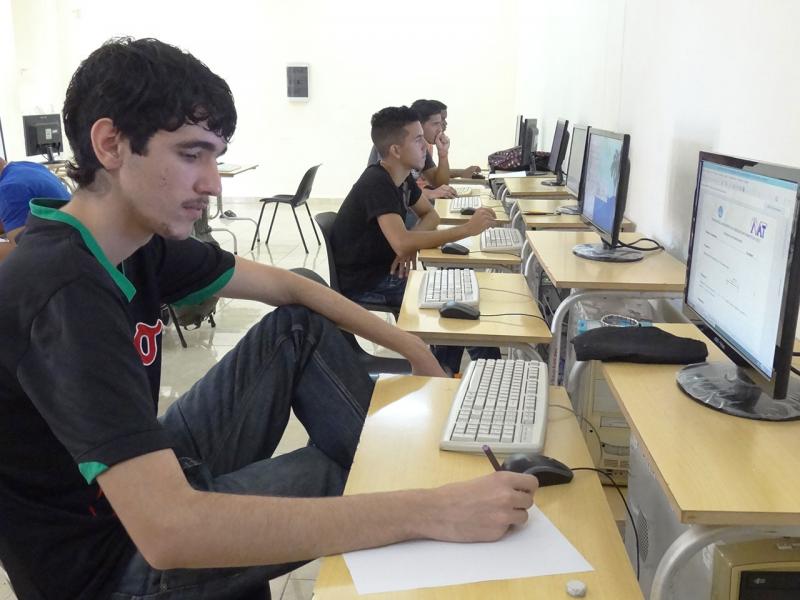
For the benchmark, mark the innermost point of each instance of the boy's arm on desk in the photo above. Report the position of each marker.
(405, 242)
(176, 526)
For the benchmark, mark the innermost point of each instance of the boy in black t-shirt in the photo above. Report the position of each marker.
(372, 248)
(99, 497)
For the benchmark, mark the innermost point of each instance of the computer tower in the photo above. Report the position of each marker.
(603, 416)
(757, 570)
(658, 526)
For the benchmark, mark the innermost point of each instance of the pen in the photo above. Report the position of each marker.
(490, 455)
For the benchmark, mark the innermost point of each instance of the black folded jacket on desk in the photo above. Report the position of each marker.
(638, 345)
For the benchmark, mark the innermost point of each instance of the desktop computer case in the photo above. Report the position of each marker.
(592, 397)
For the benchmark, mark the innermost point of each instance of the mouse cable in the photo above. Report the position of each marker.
(633, 245)
(795, 370)
(621, 495)
(528, 295)
(585, 420)
(516, 315)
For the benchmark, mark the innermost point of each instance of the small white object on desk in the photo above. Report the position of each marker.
(576, 588)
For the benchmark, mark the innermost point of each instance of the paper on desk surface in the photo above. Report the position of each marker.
(468, 242)
(536, 549)
(508, 175)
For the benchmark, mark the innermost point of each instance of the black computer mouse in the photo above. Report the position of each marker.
(548, 471)
(229, 213)
(477, 176)
(456, 310)
(454, 248)
(467, 210)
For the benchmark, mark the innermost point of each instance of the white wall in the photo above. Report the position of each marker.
(363, 55)
(680, 77)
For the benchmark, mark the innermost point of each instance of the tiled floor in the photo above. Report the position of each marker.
(182, 367)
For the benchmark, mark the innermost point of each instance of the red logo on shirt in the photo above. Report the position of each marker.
(145, 341)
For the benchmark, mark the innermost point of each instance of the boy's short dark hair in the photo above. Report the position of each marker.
(442, 106)
(427, 108)
(143, 86)
(388, 127)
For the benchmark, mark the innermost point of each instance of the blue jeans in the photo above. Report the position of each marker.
(227, 426)
(389, 291)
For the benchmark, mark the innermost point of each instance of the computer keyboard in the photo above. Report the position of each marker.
(459, 202)
(502, 403)
(442, 285)
(501, 239)
(463, 190)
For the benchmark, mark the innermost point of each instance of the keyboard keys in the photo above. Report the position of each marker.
(500, 402)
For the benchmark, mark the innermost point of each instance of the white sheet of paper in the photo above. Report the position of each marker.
(508, 175)
(468, 242)
(536, 549)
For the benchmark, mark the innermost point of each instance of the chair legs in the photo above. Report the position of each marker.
(258, 226)
(314, 229)
(302, 237)
(272, 223)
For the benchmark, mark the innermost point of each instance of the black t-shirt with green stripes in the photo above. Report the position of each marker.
(80, 361)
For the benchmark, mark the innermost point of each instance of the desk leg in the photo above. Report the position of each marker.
(698, 537)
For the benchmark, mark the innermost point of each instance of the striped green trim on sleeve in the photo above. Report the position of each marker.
(206, 292)
(90, 470)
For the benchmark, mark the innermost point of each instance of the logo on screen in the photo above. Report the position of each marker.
(758, 228)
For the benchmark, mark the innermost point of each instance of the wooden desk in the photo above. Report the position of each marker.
(446, 217)
(739, 475)
(714, 468)
(657, 271)
(533, 187)
(399, 448)
(433, 257)
(542, 206)
(657, 275)
(508, 293)
(468, 181)
(565, 222)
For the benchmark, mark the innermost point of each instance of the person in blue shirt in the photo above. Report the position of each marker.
(21, 181)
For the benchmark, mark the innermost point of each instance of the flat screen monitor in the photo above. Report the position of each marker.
(605, 189)
(42, 135)
(519, 130)
(528, 143)
(577, 150)
(743, 284)
(557, 153)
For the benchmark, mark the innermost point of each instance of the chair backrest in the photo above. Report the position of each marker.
(325, 221)
(304, 189)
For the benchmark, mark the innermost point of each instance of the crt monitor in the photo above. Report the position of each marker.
(557, 153)
(743, 284)
(605, 188)
(42, 135)
(577, 151)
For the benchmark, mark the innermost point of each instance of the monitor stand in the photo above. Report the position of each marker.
(558, 181)
(729, 389)
(605, 253)
(49, 156)
(571, 209)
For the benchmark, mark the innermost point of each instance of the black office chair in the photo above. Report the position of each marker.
(375, 365)
(298, 199)
(325, 221)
